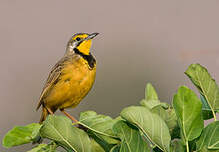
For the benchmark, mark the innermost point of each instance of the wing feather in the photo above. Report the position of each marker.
(52, 79)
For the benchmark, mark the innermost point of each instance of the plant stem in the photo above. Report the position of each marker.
(212, 109)
(187, 146)
(215, 118)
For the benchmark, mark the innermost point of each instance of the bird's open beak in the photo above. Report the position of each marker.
(91, 36)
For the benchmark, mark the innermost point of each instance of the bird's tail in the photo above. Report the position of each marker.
(44, 114)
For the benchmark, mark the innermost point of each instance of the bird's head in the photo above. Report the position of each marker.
(81, 43)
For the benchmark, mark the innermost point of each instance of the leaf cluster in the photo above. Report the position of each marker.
(152, 126)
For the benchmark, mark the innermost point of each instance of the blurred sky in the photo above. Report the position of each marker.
(139, 42)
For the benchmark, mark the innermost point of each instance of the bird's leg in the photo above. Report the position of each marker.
(69, 116)
(50, 111)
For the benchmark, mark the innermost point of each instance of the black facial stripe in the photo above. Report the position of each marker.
(89, 58)
(79, 42)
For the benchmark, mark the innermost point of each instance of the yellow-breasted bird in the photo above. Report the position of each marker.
(71, 78)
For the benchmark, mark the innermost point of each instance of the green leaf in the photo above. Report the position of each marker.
(150, 103)
(169, 116)
(106, 146)
(204, 149)
(192, 145)
(209, 137)
(152, 125)
(205, 84)
(116, 148)
(39, 148)
(95, 147)
(21, 135)
(60, 129)
(131, 140)
(151, 98)
(206, 110)
(177, 146)
(150, 92)
(44, 148)
(205, 105)
(188, 110)
(99, 125)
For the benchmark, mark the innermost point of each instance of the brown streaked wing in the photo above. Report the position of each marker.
(52, 78)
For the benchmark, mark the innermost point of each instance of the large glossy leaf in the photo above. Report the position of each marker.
(151, 124)
(21, 135)
(205, 83)
(44, 148)
(188, 110)
(168, 115)
(60, 129)
(209, 137)
(100, 125)
(131, 140)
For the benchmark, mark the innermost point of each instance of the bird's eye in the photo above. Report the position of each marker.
(78, 38)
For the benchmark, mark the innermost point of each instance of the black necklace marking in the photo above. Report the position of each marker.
(90, 59)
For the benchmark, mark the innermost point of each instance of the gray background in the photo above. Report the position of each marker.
(139, 42)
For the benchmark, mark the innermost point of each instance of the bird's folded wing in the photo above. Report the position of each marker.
(52, 79)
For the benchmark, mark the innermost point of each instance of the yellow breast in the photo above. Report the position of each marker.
(75, 82)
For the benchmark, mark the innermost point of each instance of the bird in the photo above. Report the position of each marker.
(71, 78)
